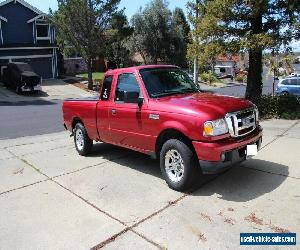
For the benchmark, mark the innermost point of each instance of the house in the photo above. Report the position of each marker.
(27, 36)
(226, 66)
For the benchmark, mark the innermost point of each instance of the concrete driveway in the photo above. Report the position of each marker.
(55, 89)
(51, 198)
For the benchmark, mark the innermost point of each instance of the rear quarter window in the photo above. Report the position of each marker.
(106, 88)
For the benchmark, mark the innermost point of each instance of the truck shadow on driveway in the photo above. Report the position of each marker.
(244, 182)
(247, 181)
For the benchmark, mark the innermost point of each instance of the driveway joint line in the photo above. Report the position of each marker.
(42, 151)
(147, 239)
(89, 203)
(30, 143)
(280, 135)
(131, 228)
(128, 228)
(91, 166)
(268, 172)
(25, 186)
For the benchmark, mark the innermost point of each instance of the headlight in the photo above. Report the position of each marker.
(214, 128)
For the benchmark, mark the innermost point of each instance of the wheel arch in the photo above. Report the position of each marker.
(76, 120)
(171, 133)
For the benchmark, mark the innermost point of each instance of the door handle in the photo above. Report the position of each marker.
(113, 111)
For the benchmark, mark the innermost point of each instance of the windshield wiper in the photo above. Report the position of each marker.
(174, 92)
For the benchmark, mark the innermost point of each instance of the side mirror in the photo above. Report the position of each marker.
(131, 97)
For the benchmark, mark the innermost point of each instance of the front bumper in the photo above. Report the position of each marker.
(26, 88)
(210, 154)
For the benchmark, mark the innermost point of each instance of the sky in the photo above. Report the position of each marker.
(131, 6)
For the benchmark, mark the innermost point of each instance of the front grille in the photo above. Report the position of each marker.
(242, 122)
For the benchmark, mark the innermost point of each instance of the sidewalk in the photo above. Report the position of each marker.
(51, 198)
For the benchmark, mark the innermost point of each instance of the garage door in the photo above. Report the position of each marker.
(41, 66)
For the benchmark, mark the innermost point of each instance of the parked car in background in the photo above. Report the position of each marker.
(294, 75)
(157, 110)
(289, 86)
(20, 77)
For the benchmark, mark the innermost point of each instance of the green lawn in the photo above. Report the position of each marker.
(96, 75)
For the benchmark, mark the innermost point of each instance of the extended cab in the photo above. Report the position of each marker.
(157, 110)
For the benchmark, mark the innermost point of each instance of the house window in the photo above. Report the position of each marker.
(42, 32)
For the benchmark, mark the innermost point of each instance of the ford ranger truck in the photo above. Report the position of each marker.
(157, 110)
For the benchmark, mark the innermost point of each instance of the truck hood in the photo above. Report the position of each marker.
(211, 105)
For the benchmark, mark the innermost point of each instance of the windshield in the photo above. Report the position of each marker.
(167, 81)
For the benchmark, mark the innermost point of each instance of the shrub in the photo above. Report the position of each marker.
(208, 77)
(240, 78)
(285, 107)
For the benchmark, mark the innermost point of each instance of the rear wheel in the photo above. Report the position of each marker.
(18, 90)
(82, 141)
(179, 165)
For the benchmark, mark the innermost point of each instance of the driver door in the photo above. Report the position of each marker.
(126, 117)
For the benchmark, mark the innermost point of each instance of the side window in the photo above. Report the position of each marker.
(105, 92)
(127, 87)
(292, 81)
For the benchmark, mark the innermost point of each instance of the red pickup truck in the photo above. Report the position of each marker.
(157, 110)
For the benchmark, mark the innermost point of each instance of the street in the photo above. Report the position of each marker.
(28, 114)
(239, 91)
(27, 118)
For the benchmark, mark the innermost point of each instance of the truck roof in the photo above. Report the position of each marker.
(111, 71)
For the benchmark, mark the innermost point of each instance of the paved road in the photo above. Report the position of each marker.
(240, 90)
(30, 118)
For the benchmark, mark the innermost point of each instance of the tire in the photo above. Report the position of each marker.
(180, 177)
(83, 143)
(18, 90)
(284, 93)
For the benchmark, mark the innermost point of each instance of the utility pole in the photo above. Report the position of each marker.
(196, 63)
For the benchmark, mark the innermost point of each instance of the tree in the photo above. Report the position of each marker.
(180, 21)
(152, 31)
(157, 35)
(181, 30)
(82, 24)
(233, 26)
(116, 47)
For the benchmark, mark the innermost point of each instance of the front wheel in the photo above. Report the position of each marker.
(82, 141)
(178, 165)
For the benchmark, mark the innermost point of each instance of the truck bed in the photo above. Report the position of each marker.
(83, 109)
